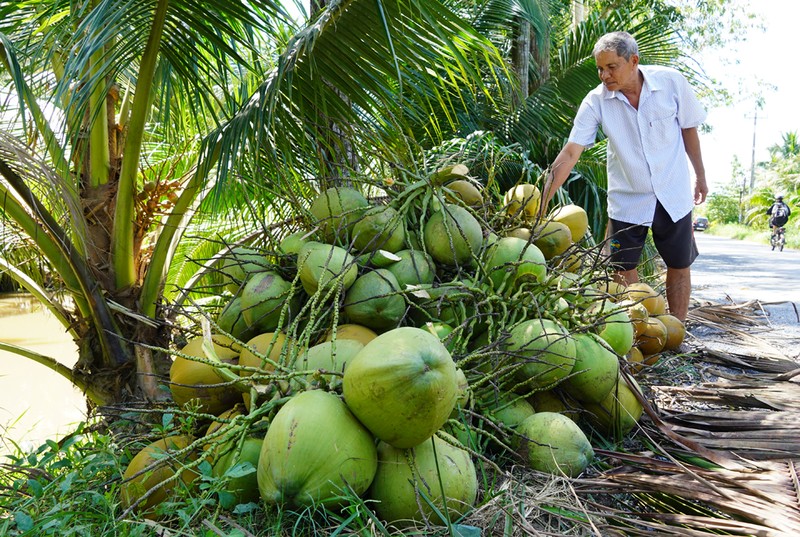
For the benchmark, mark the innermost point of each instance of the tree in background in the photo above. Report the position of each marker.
(779, 176)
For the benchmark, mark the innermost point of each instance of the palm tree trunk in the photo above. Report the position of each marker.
(521, 59)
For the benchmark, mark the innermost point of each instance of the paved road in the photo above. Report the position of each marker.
(732, 270)
(744, 271)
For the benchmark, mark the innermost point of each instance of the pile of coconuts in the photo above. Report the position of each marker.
(394, 344)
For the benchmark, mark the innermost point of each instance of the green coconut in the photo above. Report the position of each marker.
(265, 298)
(232, 321)
(452, 236)
(450, 303)
(237, 464)
(315, 452)
(595, 371)
(322, 266)
(510, 411)
(374, 300)
(619, 412)
(553, 443)
(329, 356)
(336, 211)
(543, 350)
(613, 324)
(444, 332)
(402, 386)
(380, 228)
(407, 486)
(155, 464)
(511, 261)
(292, 243)
(553, 238)
(239, 263)
(198, 381)
(415, 267)
(553, 401)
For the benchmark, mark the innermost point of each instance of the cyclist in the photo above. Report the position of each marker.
(779, 214)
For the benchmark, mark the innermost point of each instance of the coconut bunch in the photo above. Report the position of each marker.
(655, 331)
(393, 341)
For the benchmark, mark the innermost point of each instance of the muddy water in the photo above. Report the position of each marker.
(36, 404)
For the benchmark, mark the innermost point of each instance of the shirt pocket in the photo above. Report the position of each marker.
(663, 128)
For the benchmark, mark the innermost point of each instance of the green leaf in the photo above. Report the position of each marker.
(23, 520)
(35, 488)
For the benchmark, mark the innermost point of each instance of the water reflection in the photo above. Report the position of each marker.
(36, 404)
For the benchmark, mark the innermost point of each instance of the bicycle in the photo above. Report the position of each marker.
(778, 239)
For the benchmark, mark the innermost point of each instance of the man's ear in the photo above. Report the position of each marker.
(635, 60)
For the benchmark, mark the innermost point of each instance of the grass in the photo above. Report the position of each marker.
(72, 488)
(747, 233)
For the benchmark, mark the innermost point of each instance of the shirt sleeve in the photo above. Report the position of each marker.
(690, 111)
(585, 125)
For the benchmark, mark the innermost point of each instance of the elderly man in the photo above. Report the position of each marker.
(650, 116)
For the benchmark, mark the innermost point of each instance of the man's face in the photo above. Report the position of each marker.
(615, 72)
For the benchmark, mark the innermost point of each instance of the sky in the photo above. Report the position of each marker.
(765, 59)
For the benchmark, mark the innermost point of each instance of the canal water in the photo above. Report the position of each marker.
(36, 404)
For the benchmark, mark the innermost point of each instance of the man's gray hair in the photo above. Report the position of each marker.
(621, 43)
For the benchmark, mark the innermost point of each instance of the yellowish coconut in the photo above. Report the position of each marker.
(652, 299)
(464, 191)
(635, 359)
(552, 238)
(523, 200)
(638, 315)
(676, 331)
(198, 381)
(653, 338)
(357, 332)
(575, 219)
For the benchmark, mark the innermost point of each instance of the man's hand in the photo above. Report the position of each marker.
(700, 190)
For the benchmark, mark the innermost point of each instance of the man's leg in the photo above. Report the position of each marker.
(626, 277)
(679, 289)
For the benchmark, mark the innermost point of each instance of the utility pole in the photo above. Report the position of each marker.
(759, 104)
(753, 155)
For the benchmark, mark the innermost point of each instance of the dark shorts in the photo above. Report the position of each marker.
(674, 241)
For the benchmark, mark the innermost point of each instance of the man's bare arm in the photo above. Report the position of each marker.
(559, 171)
(691, 142)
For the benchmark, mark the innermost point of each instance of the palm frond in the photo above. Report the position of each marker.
(369, 68)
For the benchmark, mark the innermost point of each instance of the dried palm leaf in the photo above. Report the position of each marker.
(759, 501)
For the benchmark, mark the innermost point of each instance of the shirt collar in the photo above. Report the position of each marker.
(649, 85)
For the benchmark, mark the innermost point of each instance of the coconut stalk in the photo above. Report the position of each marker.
(122, 243)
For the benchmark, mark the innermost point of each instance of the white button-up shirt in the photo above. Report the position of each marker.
(646, 156)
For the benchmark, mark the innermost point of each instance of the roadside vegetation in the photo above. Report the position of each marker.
(738, 209)
(748, 233)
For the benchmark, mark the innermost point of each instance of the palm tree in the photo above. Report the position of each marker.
(160, 107)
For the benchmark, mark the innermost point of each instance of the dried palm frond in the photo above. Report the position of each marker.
(698, 501)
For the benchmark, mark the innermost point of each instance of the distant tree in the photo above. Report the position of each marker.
(722, 208)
